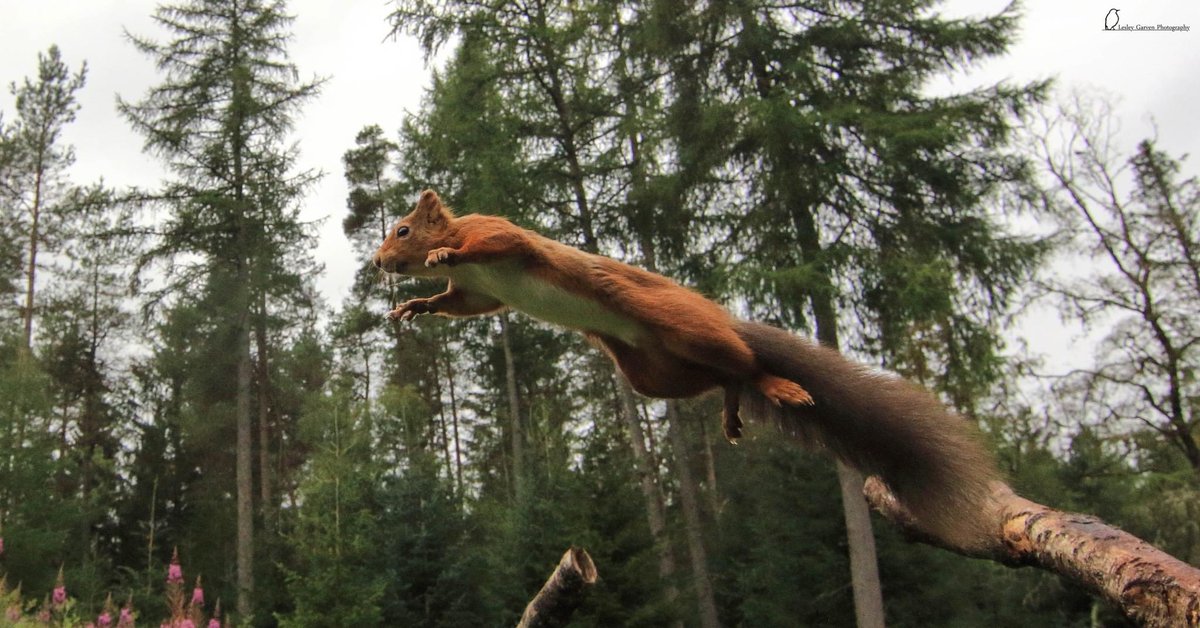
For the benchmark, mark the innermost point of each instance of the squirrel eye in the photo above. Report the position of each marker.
(401, 232)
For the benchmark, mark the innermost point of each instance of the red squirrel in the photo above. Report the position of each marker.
(669, 341)
(672, 342)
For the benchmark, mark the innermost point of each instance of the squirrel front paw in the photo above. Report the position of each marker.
(441, 255)
(407, 310)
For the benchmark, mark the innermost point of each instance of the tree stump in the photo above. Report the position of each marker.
(563, 592)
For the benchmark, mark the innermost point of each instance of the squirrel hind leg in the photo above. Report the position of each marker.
(780, 391)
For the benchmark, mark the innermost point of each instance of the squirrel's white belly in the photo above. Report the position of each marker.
(543, 300)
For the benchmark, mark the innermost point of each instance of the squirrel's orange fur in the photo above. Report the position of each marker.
(669, 341)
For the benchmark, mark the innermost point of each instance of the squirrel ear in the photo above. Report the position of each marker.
(430, 206)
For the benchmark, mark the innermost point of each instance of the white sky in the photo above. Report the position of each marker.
(373, 80)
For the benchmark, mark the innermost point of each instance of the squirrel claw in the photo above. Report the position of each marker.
(731, 424)
(780, 391)
(443, 255)
(408, 310)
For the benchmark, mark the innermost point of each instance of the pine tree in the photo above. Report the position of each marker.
(220, 119)
(32, 170)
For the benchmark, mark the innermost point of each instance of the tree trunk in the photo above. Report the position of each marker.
(31, 270)
(240, 101)
(648, 480)
(693, 526)
(864, 565)
(264, 412)
(245, 475)
(437, 383)
(514, 412)
(710, 473)
(458, 471)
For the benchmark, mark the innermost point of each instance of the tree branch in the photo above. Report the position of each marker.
(1150, 587)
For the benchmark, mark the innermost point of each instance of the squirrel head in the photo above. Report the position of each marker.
(409, 241)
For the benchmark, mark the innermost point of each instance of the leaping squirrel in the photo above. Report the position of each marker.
(671, 342)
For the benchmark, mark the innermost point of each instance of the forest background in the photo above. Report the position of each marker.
(193, 360)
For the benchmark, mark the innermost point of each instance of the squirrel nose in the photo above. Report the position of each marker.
(378, 262)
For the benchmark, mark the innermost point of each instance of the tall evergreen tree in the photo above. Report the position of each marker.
(220, 120)
(32, 174)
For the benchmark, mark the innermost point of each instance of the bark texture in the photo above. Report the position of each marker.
(706, 605)
(563, 592)
(1149, 586)
(860, 540)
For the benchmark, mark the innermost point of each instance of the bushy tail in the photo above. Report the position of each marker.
(932, 459)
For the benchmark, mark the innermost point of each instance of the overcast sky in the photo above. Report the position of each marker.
(375, 79)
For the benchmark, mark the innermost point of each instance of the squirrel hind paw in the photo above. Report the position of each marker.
(731, 424)
(733, 429)
(780, 391)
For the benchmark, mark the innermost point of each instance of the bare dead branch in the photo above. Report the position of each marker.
(1149, 586)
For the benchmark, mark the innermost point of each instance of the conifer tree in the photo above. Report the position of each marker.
(32, 169)
(220, 119)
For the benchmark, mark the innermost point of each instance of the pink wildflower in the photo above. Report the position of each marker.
(174, 571)
(214, 623)
(60, 590)
(104, 620)
(13, 614)
(125, 620)
(198, 594)
(187, 623)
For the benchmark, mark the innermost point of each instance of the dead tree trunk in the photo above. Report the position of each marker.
(562, 593)
(1149, 586)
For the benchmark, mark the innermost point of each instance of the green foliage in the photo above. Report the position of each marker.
(335, 535)
(36, 521)
(761, 580)
(427, 550)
